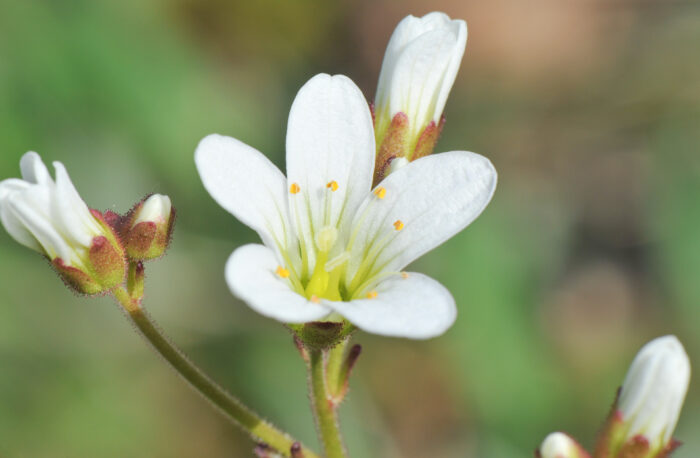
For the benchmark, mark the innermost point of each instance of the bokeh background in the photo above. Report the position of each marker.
(589, 109)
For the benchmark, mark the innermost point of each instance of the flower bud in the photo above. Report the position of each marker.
(50, 217)
(560, 445)
(420, 66)
(649, 403)
(148, 227)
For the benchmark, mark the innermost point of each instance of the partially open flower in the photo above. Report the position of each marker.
(50, 217)
(420, 66)
(334, 246)
(148, 228)
(560, 445)
(649, 403)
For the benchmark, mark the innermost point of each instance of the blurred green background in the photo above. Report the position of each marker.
(589, 109)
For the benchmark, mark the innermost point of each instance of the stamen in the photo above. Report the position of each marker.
(282, 272)
(404, 275)
(380, 192)
(332, 185)
(372, 294)
(294, 188)
(398, 225)
(338, 261)
(315, 299)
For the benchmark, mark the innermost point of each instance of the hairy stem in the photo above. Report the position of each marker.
(236, 411)
(323, 407)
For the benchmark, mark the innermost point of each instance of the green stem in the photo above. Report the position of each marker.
(334, 368)
(323, 407)
(236, 411)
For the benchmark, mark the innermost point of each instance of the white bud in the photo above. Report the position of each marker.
(560, 445)
(654, 390)
(420, 66)
(155, 209)
(50, 217)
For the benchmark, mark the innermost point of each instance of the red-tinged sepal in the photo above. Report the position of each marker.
(392, 145)
(76, 279)
(612, 435)
(107, 262)
(147, 228)
(427, 140)
(671, 447)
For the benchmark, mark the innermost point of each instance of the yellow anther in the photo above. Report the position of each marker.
(315, 299)
(371, 294)
(380, 192)
(404, 274)
(282, 272)
(332, 185)
(398, 225)
(294, 188)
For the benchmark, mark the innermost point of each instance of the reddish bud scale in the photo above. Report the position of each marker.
(427, 140)
(393, 145)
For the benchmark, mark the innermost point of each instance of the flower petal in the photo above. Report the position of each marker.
(245, 183)
(33, 169)
(330, 138)
(425, 203)
(8, 218)
(70, 213)
(416, 307)
(30, 209)
(250, 274)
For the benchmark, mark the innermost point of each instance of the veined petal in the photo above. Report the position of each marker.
(70, 213)
(424, 204)
(33, 169)
(250, 274)
(9, 220)
(410, 305)
(245, 183)
(330, 155)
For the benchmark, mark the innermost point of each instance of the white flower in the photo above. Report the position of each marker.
(420, 66)
(50, 217)
(332, 244)
(653, 391)
(560, 445)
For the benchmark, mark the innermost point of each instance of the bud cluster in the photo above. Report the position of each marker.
(90, 250)
(645, 412)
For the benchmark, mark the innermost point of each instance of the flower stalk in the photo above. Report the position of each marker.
(234, 409)
(323, 404)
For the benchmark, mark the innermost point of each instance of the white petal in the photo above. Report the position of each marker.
(250, 274)
(29, 208)
(33, 169)
(416, 307)
(245, 183)
(69, 213)
(434, 197)
(329, 138)
(9, 220)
